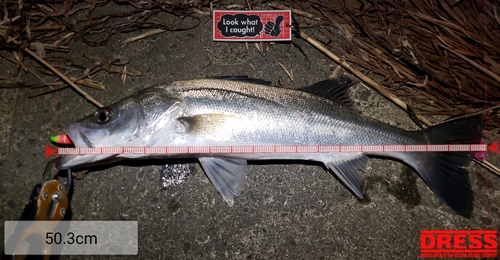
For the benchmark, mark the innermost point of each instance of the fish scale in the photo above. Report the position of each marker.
(333, 123)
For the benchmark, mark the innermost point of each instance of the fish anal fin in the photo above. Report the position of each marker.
(346, 168)
(226, 174)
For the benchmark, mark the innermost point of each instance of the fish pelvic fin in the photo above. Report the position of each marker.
(227, 175)
(444, 172)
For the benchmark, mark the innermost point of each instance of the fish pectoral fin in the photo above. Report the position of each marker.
(227, 175)
(346, 168)
(188, 123)
(206, 123)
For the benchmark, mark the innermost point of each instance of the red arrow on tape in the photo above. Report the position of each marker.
(49, 151)
(493, 147)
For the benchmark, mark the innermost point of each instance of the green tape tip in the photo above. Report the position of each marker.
(61, 139)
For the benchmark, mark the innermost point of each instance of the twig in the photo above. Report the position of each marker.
(475, 113)
(52, 47)
(115, 69)
(75, 87)
(289, 73)
(471, 62)
(335, 72)
(348, 35)
(81, 80)
(234, 6)
(488, 166)
(295, 11)
(49, 91)
(144, 35)
(89, 83)
(386, 93)
(383, 91)
(124, 74)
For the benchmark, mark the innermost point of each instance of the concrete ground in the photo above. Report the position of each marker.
(289, 211)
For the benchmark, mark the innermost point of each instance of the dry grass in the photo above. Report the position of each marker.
(440, 56)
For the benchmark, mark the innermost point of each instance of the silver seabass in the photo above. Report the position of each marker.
(228, 112)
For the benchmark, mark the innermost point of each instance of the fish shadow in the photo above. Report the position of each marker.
(404, 189)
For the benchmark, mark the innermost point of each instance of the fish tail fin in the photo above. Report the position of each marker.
(443, 172)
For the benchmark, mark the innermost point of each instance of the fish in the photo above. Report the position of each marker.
(240, 111)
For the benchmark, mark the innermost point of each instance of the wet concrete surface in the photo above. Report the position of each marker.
(291, 211)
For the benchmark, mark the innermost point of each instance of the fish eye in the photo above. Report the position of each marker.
(103, 115)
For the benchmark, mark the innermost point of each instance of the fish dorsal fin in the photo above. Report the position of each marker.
(226, 174)
(346, 168)
(244, 78)
(333, 89)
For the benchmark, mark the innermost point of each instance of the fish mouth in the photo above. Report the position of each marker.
(78, 138)
(84, 140)
(76, 134)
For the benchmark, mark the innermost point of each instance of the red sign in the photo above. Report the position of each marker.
(458, 244)
(250, 26)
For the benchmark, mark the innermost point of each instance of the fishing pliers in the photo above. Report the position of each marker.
(48, 201)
